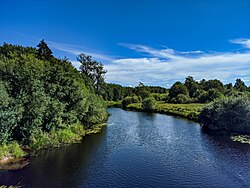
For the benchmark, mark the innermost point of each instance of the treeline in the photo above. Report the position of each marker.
(116, 92)
(45, 101)
(191, 91)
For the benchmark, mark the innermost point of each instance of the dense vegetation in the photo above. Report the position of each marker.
(229, 114)
(45, 101)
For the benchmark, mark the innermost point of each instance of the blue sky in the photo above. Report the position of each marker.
(152, 41)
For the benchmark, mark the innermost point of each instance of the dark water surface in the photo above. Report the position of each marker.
(137, 149)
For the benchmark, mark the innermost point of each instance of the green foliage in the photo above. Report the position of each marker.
(149, 103)
(111, 104)
(181, 99)
(8, 115)
(95, 111)
(176, 89)
(229, 114)
(43, 51)
(92, 69)
(159, 96)
(240, 85)
(41, 140)
(129, 100)
(42, 94)
(191, 85)
(12, 149)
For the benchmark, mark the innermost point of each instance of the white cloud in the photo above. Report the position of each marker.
(167, 65)
(243, 41)
(77, 49)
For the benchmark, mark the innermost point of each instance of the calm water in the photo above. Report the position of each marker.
(140, 150)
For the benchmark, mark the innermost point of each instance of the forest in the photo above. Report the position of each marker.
(47, 102)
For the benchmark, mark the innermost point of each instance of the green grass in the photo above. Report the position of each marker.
(56, 138)
(12, 149)
(187, 111)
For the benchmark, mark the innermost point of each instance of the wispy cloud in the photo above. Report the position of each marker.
(163, 66)
(243, 41)
(77, 49)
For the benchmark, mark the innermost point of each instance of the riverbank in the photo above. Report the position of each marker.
(15, 156)
(186, 111)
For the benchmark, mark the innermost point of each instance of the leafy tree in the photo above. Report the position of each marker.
(191, 85)
(149, 103)
(92, 69)
(176, 89)
(181, 99)
(129, 100)
(214, 84)
(141, 90)
(43, 51)
(240, 85)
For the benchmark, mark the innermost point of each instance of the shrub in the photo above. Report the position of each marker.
(160, 96)
(55, 138)
(149, 103)
(231, 114)
(181, 99)
(11, 149)
(129, 100)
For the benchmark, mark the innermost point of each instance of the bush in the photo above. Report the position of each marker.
(12, 149)
(181, 99)
(160, 96)
(55, 138)
(129, 100)
(229, 114)
(149, 103)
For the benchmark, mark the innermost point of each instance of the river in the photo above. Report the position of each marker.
(138, 149)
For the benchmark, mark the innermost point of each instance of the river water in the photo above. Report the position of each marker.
(138, 149)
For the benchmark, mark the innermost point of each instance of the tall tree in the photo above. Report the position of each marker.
(240, 85)
(176, 89)
(43, 51)
(191, 85)
(92, 69)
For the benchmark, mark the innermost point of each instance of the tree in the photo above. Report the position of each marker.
(176, 89)
(214, 84)
(43, 51)
(181, 99)
(191, 85)
(149, 103)
(240, 85)
(92, 69)
(141, 90)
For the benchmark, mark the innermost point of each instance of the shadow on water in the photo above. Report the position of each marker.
(61, 165)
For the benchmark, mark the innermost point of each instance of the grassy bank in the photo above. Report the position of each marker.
(43, 140)
(12, 149)
(187, 111)
(112, 104)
